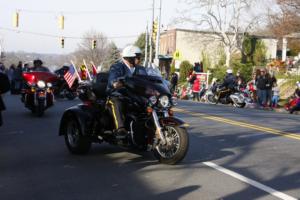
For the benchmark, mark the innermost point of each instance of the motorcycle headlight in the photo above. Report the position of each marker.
(49, 85)
(41, 84)
(164, 101)
(153, 100)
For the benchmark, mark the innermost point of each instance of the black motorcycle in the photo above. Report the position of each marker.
(61, 87)
(229, 96)
(149, 119)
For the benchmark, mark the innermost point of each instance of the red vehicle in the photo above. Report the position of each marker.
(291, 103)
(38, 92)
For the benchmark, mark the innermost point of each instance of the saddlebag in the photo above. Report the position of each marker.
(99, 84)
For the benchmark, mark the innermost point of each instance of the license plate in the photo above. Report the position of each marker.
(41, 94)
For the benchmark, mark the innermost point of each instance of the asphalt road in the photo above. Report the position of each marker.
(234, 154)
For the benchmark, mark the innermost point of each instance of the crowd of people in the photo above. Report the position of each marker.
(263, 88)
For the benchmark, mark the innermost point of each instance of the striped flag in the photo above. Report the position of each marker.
(94, 70)
(70, 76)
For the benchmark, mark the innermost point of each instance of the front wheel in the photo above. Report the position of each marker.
(69, 94)
(239, 105)
(75, 141)
(40, 108)
(176, 147)
(210, 98)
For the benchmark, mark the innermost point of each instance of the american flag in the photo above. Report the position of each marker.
(70, 76)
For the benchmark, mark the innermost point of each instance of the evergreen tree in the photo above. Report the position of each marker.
(113, 55)
(141, 43)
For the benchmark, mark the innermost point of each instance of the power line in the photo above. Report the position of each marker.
(83, 11)
(59, 36)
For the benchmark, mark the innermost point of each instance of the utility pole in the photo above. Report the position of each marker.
(146, 47)
(158, 35)
(150, 38)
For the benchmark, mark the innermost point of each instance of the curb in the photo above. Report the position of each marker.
(254, 106)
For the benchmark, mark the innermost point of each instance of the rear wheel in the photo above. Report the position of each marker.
(176, 147)
(75, 141)
(69, 94)
(211, 99)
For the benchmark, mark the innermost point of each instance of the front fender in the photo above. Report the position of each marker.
(83, 114)
(172, 121)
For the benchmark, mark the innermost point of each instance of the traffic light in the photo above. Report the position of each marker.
(61, 22)
(62, 42)
(154, 30)
(94, 44)
(16, 19)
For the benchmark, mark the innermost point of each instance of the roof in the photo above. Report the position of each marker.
(258, 35)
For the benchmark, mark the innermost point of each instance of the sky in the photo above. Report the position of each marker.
(41, 16)
(113, 18)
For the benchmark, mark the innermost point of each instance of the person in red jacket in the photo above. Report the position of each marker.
(195, 82)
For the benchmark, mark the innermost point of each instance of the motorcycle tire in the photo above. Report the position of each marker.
(74, 140)
(210, 98)
(239, 105)
(70, 95)
(182, 139)
(40, 109)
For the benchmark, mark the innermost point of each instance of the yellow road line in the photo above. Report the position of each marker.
(241, 124)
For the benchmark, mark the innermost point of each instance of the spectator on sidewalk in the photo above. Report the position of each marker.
(271, 80)
(261, 85)
(275, 97)
(2, 68)
(195, 84)
(201, 67)
(174, 82)
(17, 79)
(197, 67)
(240, 81)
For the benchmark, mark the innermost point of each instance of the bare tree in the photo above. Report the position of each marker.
(286, 20)
(86, 51)
(228, 20)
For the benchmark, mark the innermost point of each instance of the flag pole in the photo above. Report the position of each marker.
(76, 71)
(93, 65)
(89, 75)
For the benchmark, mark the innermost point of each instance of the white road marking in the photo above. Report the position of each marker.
(249, 181)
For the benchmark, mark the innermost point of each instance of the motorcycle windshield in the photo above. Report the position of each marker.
(34, 77)
(145, 85)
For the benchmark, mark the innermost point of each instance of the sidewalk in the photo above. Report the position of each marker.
(279, 110)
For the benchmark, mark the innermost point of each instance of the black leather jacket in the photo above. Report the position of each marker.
(229, 81)
(119, 70)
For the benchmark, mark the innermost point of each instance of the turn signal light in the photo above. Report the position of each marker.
(32, 90)
(149, 110)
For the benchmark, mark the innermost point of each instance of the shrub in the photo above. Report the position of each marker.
(172, 70)
(218, 72)
(185, 68)
(246, 70)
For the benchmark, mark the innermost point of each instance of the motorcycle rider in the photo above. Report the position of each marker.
(126, 67)
(38, 66)
(4, 87)
(227, 86)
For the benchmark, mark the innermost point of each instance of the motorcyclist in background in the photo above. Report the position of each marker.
(118, 71)
(38, 67)
(227, 86)
(297, 96)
